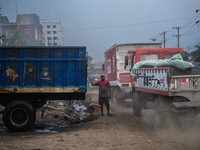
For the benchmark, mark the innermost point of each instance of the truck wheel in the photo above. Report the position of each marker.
(158, 114)
(137, 106)
(19, 116)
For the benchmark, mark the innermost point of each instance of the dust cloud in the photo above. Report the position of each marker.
(182, 129)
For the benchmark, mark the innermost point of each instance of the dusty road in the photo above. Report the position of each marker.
(121, 131)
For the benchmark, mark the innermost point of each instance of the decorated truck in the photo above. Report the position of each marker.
(113, 67)
(30, 76)
(170, 86)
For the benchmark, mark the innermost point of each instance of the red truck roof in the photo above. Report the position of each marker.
(159, 51)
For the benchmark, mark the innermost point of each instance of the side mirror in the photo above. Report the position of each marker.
(184, 54)
(126, 61)
(103, 67)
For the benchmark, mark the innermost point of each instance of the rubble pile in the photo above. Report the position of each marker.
(73, 113)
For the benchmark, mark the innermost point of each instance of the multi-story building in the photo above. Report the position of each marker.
(28, 22)
(98, 71)
(52, 32)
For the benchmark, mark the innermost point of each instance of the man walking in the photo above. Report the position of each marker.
(104, 87)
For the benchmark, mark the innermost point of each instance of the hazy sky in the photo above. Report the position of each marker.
(99, 24)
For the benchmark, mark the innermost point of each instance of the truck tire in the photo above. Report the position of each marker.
(19, 116)
(158, 114)
(137, 106)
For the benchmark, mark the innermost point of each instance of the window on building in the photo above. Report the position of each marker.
(27, 31)
(9, 32)
(49, 38)
(54, 32)
(48, 26)
(48, 32)
(54, 26)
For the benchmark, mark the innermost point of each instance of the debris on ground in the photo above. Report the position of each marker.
(73, 112)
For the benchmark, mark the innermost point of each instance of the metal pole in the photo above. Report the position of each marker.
(178, 37)
(164, 38)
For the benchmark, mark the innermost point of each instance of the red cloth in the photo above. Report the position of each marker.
(95, 107)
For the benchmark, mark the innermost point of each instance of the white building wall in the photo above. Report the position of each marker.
(53, 29)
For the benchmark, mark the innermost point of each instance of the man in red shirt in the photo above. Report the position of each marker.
(104, 87)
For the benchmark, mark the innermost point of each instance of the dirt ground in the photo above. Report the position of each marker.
(122, 131)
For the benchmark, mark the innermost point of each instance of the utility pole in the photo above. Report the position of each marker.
(164, 37)
(16, 10)
(177, 35)
(189, 49)
(0, 9)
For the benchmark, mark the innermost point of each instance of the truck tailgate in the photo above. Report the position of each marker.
(166, 80)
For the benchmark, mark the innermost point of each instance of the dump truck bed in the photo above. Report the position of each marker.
(50, 73)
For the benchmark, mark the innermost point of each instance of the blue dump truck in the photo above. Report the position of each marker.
(30, 76)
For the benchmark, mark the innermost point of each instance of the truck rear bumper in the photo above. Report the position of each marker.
(184, 106)
(121, 92)
(126, 90)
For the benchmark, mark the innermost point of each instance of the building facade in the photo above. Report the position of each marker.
(98, 71)
(27, 22)
(53, 34)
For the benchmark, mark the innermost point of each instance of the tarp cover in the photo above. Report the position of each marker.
(175, 61)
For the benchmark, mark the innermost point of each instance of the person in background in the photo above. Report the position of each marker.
(104, 87)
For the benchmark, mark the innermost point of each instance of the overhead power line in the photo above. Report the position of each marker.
(126, 25)
(190, 20)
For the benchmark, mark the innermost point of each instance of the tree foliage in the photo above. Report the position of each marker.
(90, 64)
(20, 39)
(37, 43)
(196, 54)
